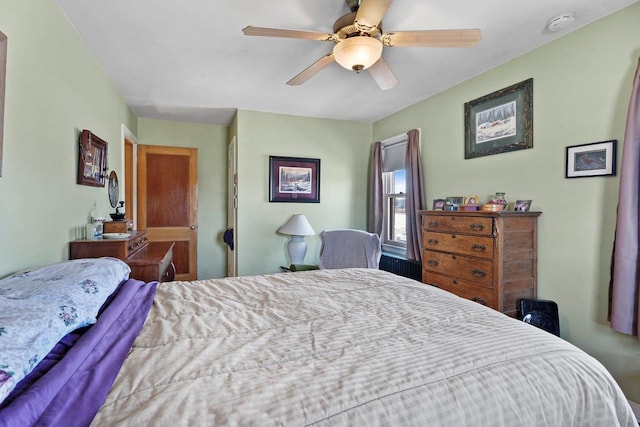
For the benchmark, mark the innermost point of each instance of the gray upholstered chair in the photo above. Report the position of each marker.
(349, 249)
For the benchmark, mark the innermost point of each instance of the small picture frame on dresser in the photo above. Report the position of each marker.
(522, 205)
(438, 204)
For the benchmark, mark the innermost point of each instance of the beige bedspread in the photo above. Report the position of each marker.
(350, 347)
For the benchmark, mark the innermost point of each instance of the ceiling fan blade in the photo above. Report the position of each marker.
(293, 34)
(432, 38)
(312, 70)
(383, 75)
(370, 13)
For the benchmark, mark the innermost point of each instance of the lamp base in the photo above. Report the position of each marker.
(297, 248)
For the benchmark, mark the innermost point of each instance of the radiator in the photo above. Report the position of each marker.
(401, 266)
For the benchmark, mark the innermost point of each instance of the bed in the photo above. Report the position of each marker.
(323, 347)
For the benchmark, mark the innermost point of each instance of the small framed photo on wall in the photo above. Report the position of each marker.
(596, 159)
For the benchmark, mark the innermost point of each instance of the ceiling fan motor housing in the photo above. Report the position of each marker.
(345, 27)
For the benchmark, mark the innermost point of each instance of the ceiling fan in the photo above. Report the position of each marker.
(359, 41)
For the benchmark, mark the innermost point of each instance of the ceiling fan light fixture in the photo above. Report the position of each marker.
(357, 53)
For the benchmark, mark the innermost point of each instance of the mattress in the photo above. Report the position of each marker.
(350, 347)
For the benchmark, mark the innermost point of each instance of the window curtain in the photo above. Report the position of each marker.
(624, 288)
(415, 195)
(374, 221)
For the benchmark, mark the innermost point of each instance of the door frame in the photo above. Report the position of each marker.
(129, 179)
(232, 205)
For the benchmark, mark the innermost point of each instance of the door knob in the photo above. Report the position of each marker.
(194, 227)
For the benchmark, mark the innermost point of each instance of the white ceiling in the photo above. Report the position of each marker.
(189, 60)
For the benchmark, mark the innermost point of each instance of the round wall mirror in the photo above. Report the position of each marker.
(114, 190)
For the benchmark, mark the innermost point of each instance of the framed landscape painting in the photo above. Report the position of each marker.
(499, 122)
(294, 179)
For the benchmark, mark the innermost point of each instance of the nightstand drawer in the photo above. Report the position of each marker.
(466, 268)
(459, 243)
(458, 224)
(461, 288)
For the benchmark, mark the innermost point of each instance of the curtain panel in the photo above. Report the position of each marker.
(624, 288)
(415, 195)
(374, 220)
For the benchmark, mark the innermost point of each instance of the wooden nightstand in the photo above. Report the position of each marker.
(149, 261)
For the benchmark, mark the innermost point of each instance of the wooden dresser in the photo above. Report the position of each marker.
(149, 261)
(487, 257)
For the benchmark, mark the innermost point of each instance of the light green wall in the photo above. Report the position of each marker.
(211, 142)
(582, 83)
(54, 89)
(343, 150)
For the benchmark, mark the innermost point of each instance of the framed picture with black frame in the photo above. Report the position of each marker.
(294, 179)
(499, 122)
(595, 159)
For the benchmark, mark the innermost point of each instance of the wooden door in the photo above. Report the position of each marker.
(168, 202)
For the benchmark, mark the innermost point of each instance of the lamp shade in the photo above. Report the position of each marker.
(297, 225)
(358, 53)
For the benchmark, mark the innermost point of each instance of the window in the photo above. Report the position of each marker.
(394, 234)
(395, 230)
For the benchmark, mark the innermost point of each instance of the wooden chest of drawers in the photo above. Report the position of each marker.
(487, 257)
(148, 261)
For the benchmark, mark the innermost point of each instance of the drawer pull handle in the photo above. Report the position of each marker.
(432, 223)
(477, 227)
(480, 300)
(433, 241)
(432, 263)
(478, 248)
(476, 272)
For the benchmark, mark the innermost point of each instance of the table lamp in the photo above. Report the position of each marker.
(297, 227)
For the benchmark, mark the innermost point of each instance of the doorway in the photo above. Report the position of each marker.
(167, 202)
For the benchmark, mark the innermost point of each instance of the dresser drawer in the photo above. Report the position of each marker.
(118, 248)
(458, 224)
(459, 243)
(461, 288)
(136, 243)
(463, 267)
(152, 262)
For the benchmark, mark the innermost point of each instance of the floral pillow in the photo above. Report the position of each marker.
(38, 308)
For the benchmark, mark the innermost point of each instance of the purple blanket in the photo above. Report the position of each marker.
(72, 391)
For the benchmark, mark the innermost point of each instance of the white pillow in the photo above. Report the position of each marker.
(38, 308)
